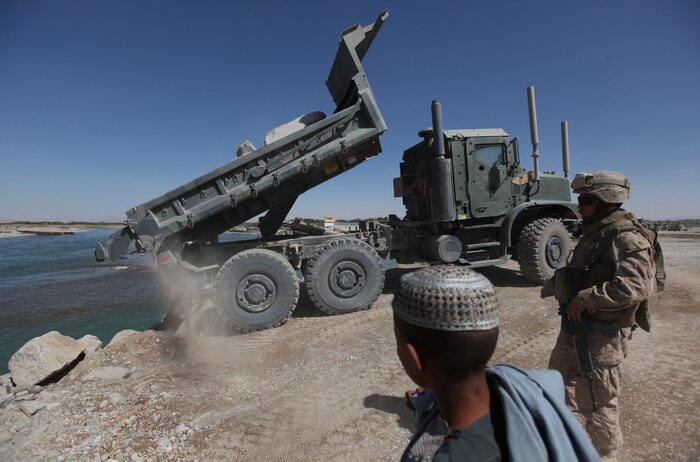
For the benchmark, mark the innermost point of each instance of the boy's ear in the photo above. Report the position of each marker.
(415, 360)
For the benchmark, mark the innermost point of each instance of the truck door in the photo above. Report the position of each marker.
(488, 184)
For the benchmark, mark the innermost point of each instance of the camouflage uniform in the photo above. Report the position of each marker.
(620, 277)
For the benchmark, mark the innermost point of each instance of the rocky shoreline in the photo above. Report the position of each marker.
(75, 390)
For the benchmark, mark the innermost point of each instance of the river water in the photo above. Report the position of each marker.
(54, 283)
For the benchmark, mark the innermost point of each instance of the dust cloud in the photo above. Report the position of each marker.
(199, 332)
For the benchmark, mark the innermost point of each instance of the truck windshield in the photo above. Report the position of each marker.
(490, 154)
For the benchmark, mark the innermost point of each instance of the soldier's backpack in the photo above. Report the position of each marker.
(643, 314)
(653, 237)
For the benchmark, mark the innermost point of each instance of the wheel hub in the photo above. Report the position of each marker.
(346, 279)
(554, 252)
(255, 293)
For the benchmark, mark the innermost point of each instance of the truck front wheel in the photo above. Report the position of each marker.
(344, 275)
(256, 289)
(543, 246)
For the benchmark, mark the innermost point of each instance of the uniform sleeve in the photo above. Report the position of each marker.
(633, 280)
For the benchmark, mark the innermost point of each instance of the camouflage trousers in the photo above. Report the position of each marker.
(608, 353)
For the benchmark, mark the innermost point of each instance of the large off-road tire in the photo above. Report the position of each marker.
(543, 246)
(344, 275)
(256, 289)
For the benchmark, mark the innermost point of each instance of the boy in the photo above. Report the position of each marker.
(446, 327)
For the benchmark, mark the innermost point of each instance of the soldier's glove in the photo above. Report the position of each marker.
(575, 309)
(547, 289)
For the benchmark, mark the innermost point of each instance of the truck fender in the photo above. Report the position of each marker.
(554, 209)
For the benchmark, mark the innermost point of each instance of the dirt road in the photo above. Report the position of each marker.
(330, 388)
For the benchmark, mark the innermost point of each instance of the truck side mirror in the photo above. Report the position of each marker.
(513, 153)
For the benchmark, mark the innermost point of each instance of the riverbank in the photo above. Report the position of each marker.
(19, 229)
(43, 231)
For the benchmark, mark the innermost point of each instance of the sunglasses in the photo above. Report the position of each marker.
(586, 200)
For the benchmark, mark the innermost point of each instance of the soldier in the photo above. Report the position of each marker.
(446, 325)
(615, 277)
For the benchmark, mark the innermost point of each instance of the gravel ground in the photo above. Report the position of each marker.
(330, 387)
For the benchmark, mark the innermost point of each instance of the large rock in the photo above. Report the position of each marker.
(46, 400)
(42, 357)
(90, 344)
(32, 407)
(6, 387)
(5, 392)
(245, 148)
(107, 373)
(120, 337)
(295, 125)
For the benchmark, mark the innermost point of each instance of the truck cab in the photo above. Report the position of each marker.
(468, 200)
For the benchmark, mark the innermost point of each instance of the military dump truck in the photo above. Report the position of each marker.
(467, 199)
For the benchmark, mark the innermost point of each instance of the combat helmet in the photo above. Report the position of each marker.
(610, 187)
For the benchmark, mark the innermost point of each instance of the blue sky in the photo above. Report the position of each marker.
(105, 105)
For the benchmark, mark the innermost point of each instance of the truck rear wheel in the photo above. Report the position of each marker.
(344, 275)
(256, 289)
(543, 246)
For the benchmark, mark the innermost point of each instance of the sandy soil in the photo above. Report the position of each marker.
(330, 388)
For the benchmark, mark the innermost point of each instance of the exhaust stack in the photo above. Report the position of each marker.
(439, 143)
(533, 132)
(565, 147)
(443, 190)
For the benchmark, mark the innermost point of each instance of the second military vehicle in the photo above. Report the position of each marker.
(467, 198)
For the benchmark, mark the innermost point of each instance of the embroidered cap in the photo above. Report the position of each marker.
(448, 298)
